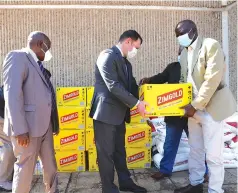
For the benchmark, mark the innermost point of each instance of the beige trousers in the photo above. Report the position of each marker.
(26, 161)
(7, 159)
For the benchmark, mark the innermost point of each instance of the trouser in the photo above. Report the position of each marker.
(171, 144)
(7, 156)
(173, 135)
(26, 161)
(206, 142)
(110, 144)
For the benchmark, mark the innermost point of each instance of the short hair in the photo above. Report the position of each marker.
(187, 22)
(134, 35)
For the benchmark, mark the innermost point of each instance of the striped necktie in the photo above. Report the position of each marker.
(47, 78)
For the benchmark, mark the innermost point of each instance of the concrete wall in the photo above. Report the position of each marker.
(78, 36)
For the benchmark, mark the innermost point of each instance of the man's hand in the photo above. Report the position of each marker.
(189, 110)
(23, 140)
(142, 108)
(144, 81)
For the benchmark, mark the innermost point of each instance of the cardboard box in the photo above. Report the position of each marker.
(71, 96)
(90, 140)
(71, 117)
(70, 161)
(89, 120)
(137, 158)
(90, 91)
(92, 160)
(70, 140)
(135, 116)
(138, 135)
(166, 99)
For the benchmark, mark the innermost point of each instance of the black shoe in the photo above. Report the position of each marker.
(132, 187)
(160, 176)
(190, 189)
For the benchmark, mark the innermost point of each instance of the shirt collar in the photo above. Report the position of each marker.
(33, 55)
(193, 45)
(120, 50)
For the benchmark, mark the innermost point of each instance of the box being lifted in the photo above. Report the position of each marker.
(166, 99)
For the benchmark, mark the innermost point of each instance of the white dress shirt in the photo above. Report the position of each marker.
(32, 54)
(191, 49)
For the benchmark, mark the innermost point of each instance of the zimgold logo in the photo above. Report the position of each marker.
(136, 157)
(69, 139)
(71, 95)
(136, 137)
(134, 112)
(170, 96)
(69, 159)
(69, 117)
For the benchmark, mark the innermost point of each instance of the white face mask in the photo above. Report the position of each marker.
(178, 58)
(48, 54)
(184, 39)
(132, 53)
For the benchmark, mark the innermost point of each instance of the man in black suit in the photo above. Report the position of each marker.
(115, 93)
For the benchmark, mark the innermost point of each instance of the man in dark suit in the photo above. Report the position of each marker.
(115, 93)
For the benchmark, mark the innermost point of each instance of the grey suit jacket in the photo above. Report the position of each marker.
(114, 87)
(27, 96)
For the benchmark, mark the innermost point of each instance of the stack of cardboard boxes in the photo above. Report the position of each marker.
(70, 143)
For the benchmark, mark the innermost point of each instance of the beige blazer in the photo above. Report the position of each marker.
(208, 69)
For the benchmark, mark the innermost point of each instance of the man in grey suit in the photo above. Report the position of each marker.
(30, 112)
(115, 93)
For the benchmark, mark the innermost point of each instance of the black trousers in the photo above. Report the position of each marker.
(110, 144)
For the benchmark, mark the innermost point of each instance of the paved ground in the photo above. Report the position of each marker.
(89, 182)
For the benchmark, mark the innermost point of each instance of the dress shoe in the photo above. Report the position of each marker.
(6, 186)
(190, 189)
(160, 176)
(132, 187)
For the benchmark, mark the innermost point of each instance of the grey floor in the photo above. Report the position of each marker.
(89, 182)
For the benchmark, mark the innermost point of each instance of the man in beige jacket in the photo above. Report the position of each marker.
(202, 65)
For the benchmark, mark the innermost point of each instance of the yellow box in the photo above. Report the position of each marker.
(70, 161)
(90, 141)
(138, 158)
(71, 117)
(70, 140)
(89, 120)
(90, 91)
(138, 135)
(92, 160)
(166, 99)
(135, 116)
(71, 96)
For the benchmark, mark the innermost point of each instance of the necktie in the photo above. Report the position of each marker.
(47, 78)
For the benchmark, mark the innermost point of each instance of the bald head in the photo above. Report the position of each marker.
(40, 43)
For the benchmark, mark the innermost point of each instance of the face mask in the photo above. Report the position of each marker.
(48, 54)
(184, 40)
(178, 58)
(132, 53)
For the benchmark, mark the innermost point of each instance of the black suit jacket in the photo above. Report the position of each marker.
(115, 90)
(170, 75)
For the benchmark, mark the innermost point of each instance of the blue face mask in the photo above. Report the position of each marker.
(179, 59)
(184, 40)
